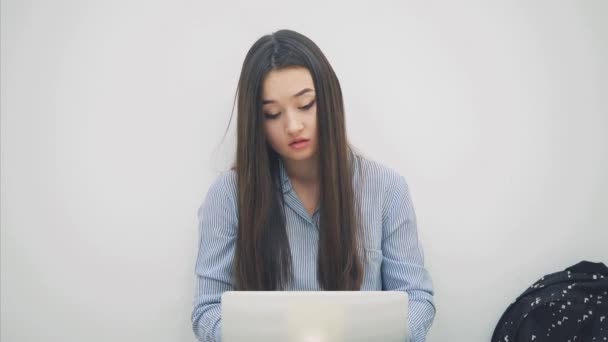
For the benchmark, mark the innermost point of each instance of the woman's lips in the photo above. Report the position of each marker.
(300, 144)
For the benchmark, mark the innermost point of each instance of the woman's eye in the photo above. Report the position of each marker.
(308, 105)
(271, 116)
(276, 115)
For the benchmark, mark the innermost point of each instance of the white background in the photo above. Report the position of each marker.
(113, 114)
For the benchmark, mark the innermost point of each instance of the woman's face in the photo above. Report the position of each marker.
(290, 112)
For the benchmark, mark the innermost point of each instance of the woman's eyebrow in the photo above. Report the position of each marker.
(301, 92)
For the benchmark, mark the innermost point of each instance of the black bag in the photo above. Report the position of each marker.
(568, 306)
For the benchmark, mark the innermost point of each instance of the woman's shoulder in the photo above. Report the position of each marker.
(221, 196)
(379, 173)
(226, 178)
(382, 185)
(223, 186)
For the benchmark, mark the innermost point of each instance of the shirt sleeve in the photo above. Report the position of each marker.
(217, 218)
(403, 259)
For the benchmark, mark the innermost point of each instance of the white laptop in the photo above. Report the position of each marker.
(314, 316)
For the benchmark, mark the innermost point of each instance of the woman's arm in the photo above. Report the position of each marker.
(403, 263)
(218, 223)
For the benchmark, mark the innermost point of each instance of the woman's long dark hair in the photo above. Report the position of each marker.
(263, 257)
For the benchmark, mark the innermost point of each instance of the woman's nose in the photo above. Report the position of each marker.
(294, 125)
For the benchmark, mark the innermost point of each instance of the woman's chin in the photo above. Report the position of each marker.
(299, 155)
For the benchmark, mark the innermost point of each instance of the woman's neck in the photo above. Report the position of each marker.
(303, 171)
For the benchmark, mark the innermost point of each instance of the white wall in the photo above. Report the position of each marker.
(496, 114)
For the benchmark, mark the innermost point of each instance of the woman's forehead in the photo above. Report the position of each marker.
(287, 84)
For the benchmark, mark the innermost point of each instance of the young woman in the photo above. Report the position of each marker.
(300, 210)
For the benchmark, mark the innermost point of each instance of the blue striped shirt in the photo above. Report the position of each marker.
(389, 239)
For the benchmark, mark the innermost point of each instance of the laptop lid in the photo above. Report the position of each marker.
(314, 316)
